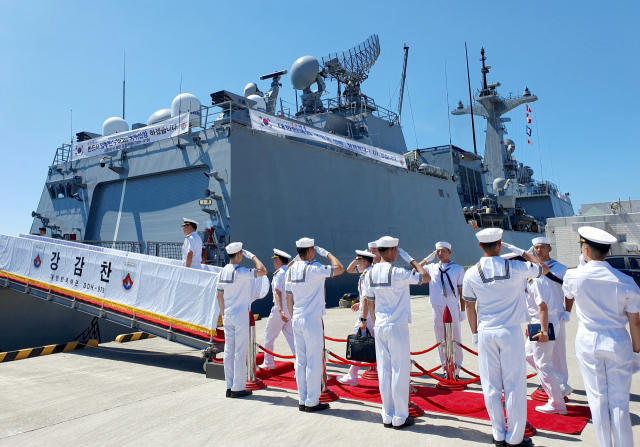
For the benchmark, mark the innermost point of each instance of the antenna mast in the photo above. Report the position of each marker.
(473, 128)
(124, 75)
(404, 76)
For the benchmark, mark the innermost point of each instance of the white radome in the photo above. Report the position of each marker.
(185, 102)
(304, 72)
(261, 104)
(160, 115)
(114, 125)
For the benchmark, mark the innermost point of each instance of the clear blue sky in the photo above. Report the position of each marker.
(582, 59)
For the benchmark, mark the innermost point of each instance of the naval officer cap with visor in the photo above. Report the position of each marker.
(280, 254)
(364, 255)
(191, 222)
(592, 235)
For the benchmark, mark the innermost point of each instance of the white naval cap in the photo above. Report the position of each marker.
(489, 235)
(364, 254)
(373, 244)
(387, 242)
(186, 221)
(234, 248)
(541, 240)
(281, 253)
(590, 234)
(443, 245)
(305, 242)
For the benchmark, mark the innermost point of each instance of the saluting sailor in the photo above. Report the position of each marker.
(364, 260)
(562, 309)
(496, 285)
(279, 318)
(389, 303)
(235, 292)
(445, 290)
(606, 300)
(545, 305)
(306, 303)
(192, 246)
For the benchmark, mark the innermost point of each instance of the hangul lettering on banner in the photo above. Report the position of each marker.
(106, 270)
(79, 266)
(54, 260)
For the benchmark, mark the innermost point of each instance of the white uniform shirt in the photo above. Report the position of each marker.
(305, 281)
(438, 273)
(497, 285)
(556, 303)
(388, 286)
(538, 291)
(193, 243)
(235, 282)
(277, 283)
(363, 286)
(603, 295)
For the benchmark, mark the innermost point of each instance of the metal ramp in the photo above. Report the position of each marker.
(202, 341)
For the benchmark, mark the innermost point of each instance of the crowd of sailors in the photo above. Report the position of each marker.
(495, 296)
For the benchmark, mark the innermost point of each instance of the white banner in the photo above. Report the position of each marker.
(150, 286)
(279, 126)
(126, 140)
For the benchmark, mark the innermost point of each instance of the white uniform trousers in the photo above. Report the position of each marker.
(216, 314)
(236, 340)
(560, 355)
(271, 332)
(605, 357)
(437, 311)
(393, 359)
(502, 363)
(309, 344)
(352, 375)
(539, 357)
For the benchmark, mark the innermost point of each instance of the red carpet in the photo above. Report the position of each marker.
(572, 424)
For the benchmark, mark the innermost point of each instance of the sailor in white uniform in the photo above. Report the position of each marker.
(235, 290)
(561, 307)
(364, 322)
(192, 246)
(496, 285)
(279, 318)
(606, 300)
(544, 305)
(305, 292)
(389, 303)
(445, 290)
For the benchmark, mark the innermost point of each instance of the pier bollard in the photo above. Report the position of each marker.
(449, 354)
(253, 383)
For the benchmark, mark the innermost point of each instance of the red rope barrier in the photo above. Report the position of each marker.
(277, 355)
(336, 339)
(531, 375)
(424, 374)
(336, 362)
(439, 379)
(349, 362)
(466, 349)
(426, 350)
(273, 376)
(469, 372)
(361, 395)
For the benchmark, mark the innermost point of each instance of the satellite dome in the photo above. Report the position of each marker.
(185, 102)
(498, 184)
(304, 72)
(251, 89)
(460, 106)
(114, 125)
(508, 142)
(529, 172)
(261, 103)
(160, 115)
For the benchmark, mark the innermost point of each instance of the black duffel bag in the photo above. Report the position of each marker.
(361, 348)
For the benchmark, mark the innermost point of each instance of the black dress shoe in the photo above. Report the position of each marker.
(243, 393)
(318, 407)
(388, 425)
(228, 393)
(499, 443)
(526, 442)
(301, 407)
(407, 423)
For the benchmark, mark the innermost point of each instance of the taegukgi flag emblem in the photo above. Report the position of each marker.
(129, 270)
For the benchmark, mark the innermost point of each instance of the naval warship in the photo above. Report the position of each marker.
(245, 180)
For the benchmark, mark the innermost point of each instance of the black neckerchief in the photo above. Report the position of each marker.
(442, 273)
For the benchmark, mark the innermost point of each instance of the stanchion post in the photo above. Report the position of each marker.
(253, 383)
(449, 354)
(326, 394)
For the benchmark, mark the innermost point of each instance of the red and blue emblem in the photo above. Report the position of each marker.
(37, 262)
(128, 276)
(79, 150)
(265, 122)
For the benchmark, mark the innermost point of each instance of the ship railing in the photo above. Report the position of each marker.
(63, 154)
(129, 246)
(214, 253)
(365, 105)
